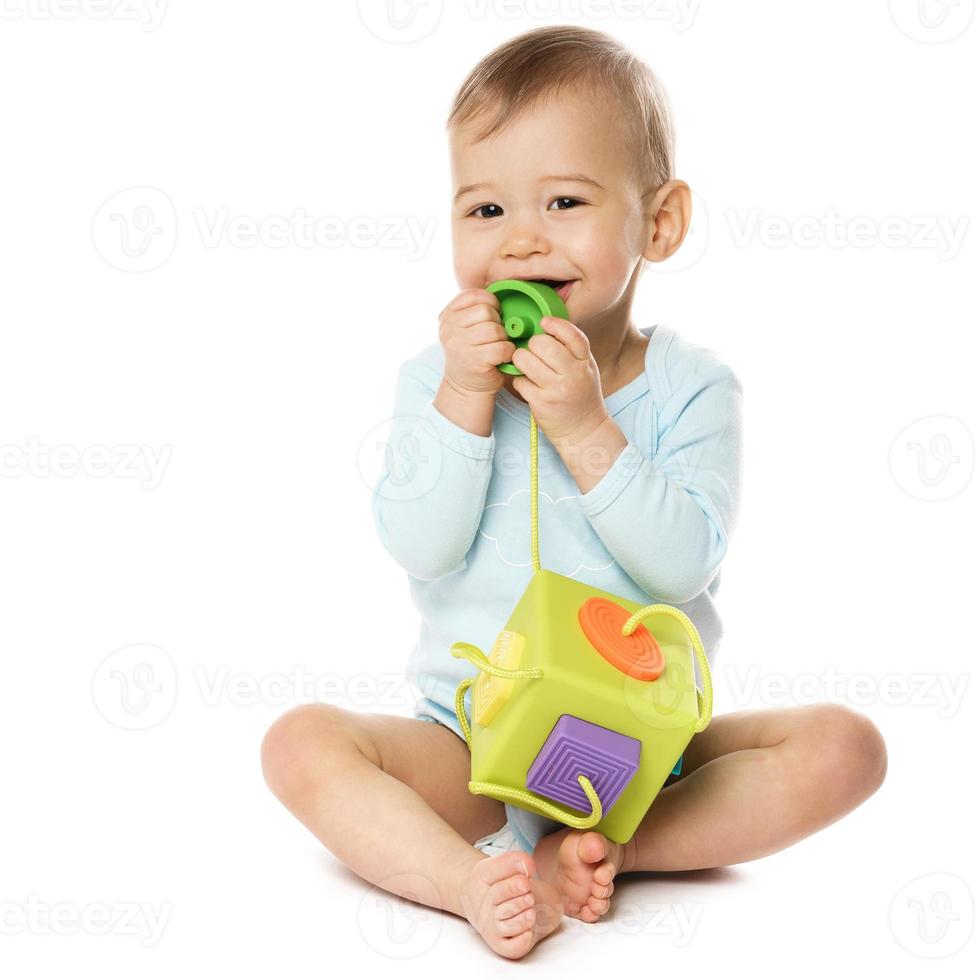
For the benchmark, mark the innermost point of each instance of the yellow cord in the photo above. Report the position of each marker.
(532, 802)
(477, 657)
(705, 703)
(535, 558)
(474, 654)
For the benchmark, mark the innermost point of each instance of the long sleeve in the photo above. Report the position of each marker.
(429, 499)
(667, 520)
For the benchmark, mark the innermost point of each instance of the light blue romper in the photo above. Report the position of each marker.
(453, 509)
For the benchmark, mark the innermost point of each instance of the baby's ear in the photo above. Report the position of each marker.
(672, 218)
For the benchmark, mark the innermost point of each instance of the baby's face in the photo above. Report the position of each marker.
(556, 200)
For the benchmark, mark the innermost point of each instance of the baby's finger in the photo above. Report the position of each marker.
(485, 333)
(570, 335)
(473, 315)
(470, 297)
(501, 352)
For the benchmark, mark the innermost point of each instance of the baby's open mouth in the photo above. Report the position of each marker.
(561, 286)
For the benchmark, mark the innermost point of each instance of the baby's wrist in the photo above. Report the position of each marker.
(471, 396)
(470, 410)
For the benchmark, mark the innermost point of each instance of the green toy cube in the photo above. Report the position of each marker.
(618, 709)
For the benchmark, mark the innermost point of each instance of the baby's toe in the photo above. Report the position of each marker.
(514, 947)
(507, 910)
(517, 924)
(602, 891)
(591, 847)
(598, 906)
(605, 873)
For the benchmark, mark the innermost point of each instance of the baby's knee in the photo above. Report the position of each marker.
(300, 746)
(850, 747)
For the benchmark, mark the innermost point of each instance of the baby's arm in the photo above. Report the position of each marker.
(667, 520)
(429, 499)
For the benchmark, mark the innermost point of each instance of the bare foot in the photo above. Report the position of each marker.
(582, 866)
(511, 910)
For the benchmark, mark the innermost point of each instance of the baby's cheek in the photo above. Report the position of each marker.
(461, 268)
(607, 252)
(466, 261)
(610, 275)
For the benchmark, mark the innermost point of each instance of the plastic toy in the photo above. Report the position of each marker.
(581, 711)
(522, 305)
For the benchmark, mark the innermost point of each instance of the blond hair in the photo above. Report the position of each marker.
(544, 61)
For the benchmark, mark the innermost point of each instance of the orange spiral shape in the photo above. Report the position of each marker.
(638, 655)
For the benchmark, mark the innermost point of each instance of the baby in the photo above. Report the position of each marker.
(561, 147)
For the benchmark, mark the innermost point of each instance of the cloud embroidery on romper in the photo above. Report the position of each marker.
(510, 532)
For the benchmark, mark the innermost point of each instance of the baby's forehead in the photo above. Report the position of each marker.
(564, 134)
(569, 107)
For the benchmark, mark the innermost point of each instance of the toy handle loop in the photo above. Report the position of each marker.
(461, 711)
(705, 702)
(477, 657)
(532, 802)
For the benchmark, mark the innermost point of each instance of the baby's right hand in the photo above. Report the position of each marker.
(474, 342)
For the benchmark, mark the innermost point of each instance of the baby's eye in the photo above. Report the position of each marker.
(573, 201)
(482, 206)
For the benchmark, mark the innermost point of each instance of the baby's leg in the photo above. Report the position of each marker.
(388, 796)
(755, 782)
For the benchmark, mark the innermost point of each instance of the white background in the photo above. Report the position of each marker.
(155, 622)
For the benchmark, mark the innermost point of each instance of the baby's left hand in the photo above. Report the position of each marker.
(561, 384)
